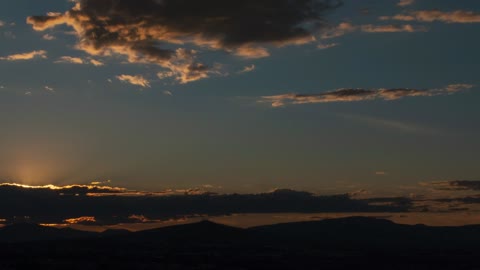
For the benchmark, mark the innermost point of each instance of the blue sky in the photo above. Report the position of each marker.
(69, 123)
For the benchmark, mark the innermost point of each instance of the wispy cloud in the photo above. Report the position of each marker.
(96, 63)
(78, 61)
(347, 28)
(370, 28)
(26, 56)
(404, 3)
(48, 37)
(70, 60)
(2, 23)
(327, 46)
(248, 69)
(135, 80)
(458, 16)
(355, 95)
(49, 89)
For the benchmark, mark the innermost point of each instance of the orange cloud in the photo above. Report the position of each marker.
(139, 31)
(458, 16)
(135, 80)
(26, 56)
(80, 220)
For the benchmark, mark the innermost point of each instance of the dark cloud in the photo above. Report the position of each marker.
(105, 205)
(141, 30)
(352, 95)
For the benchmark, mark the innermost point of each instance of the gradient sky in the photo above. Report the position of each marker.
(65, 122)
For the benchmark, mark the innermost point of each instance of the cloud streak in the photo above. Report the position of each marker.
(357, 95)
(345, 28)
(26, 56)
(458, 16)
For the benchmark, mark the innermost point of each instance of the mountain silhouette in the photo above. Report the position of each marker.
(346, 243)
(27, 232)
(351, 231)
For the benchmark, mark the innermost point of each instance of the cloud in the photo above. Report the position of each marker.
(157, 32)
(49, 89)
(48, 37)
(369, 28)
(404, 3)
(2, 23)
(26, 56)
(81, 220)
(339, 30)
(455, 185)
(355, 95)
(458, 16)
(64, 190)
(79, 61)
(96, 63)
(70, 60)
(135, 80)
(345, 28)
(248, 69)
(327, 46)
(91, 204)
(168, 93)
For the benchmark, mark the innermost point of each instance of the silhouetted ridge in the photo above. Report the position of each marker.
(33, 232)
(200, 231)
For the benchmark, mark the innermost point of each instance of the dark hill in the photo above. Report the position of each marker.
(27, 232)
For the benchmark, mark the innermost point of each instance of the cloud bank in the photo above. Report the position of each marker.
(356, 95)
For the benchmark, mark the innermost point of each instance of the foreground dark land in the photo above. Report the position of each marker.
(356, 242)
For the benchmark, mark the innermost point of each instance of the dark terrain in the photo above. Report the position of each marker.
(357, 242)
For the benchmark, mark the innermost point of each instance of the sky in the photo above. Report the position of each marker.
(374, 95)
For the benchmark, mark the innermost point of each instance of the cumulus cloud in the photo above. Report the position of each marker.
(404, 3)
(26, 56)
(146, 31)
(458, 16)
(353, 95)
(135, 80)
